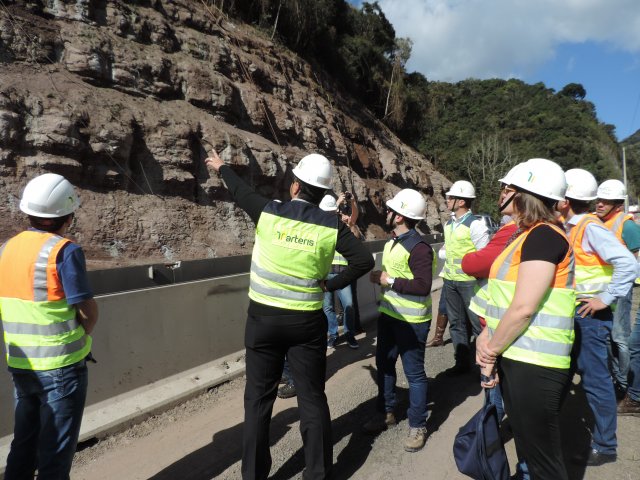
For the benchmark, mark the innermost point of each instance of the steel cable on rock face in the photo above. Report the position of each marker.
(16, 25)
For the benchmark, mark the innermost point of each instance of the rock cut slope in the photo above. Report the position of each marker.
(126, 98)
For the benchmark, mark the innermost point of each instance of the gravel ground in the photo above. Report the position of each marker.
(201, 439)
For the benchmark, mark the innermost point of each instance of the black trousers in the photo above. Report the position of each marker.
(533, 396)
(302, 337)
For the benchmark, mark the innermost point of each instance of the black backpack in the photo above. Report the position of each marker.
(478, 448)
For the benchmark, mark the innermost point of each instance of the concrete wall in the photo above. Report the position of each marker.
(148, 339)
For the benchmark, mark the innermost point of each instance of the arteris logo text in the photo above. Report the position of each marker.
(296, 239)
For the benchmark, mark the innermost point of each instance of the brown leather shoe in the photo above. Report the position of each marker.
(441, 326)
(629, 407)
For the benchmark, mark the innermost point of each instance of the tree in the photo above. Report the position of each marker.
(401, 56)
(573, 90)
(488, 160)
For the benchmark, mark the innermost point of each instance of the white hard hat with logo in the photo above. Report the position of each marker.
(612, 190)
(462, 189)
(506, 179)
(541, 177)
(328, 204)
(49, 196)
(315, 170)
(408, 203)
(581, 185)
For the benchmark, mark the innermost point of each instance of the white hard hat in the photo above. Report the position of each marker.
(462, 189)
(408, 203)
(541, 177)
(581, 185)
(506, 179)
(49, 196)
(328, 204)
(315, 170)
(612, 190)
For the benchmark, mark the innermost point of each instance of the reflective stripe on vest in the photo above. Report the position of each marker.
(457, 243)
(593, 274)
(478, 303)
(616, 224)
(41, 331)
(395, 261)
(294, 247)
(548, 339)
(339, 260)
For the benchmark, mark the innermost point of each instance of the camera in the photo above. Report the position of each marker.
(345, 207)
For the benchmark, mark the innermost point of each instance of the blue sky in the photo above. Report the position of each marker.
(592, 42)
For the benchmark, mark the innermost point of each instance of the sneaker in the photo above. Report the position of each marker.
(628, 406)
(416, 439)
(332, 341)
(379, 423)
(351, 340)
(287, 391)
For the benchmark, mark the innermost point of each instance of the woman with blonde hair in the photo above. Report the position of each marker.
(529, 316)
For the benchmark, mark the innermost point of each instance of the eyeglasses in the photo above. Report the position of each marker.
(506, 189)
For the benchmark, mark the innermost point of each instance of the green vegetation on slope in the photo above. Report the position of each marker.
(474, 129)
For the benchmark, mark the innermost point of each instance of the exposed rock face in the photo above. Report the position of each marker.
(125, 98)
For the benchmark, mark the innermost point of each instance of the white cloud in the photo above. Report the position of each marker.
(458, 39)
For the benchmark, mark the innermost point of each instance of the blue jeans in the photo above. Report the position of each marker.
(619, 346)
(346, 300)
(48, 413)
(397, 337)
(442, 304)
(634, 363)
(590, 353)
(458, 297)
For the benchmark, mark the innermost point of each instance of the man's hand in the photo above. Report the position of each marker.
(489, 376)
(591, 306)
(379, 277)
(214, 161)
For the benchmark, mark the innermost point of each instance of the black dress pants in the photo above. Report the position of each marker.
(302, 337)
(533, 396)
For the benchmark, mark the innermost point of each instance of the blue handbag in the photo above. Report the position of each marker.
(478, 448)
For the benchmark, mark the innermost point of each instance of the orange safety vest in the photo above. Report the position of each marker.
(593, 274)
(41, 331)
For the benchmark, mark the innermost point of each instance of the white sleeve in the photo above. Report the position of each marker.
(479, 234)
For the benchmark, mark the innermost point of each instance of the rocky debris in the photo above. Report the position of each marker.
(126, 98)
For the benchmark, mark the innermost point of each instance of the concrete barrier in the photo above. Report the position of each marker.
(158, 346)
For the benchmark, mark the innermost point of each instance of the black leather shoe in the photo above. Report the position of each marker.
(595, 458)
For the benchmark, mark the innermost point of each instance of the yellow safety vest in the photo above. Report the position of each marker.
(41, 331)
(548, 338)
(395, 261)
(457, 243)
(293, 251)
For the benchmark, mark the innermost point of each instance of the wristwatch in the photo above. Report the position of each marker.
(390, 281)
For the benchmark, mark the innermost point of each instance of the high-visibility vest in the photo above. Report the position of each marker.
(478, 303)
(549, 336)
(339, 260)
(395, 261)
(616, 224)
(457, 242)
(593, 274)
(293, 251)
(41, 331)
